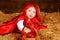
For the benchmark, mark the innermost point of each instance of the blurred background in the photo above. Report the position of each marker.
(9, 6)
(50, 15)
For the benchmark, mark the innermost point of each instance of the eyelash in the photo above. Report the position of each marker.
(30, 11)
(33, 12)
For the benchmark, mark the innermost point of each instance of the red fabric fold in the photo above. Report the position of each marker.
(8, 27)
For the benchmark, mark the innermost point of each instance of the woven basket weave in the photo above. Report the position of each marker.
(36, 38)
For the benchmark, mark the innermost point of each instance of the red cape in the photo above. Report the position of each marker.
(9, 26)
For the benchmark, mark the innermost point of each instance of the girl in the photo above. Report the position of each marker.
(30, 17)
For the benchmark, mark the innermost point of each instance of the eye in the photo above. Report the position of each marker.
(29, 10)
(33, 11)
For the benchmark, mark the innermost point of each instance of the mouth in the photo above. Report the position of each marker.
(30, 15)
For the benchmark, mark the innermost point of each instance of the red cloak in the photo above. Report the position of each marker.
(9, 26)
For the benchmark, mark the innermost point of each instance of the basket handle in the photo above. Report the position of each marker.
(37, 35)
(35, 30)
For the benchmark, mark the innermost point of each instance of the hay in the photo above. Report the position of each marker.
(51, 20)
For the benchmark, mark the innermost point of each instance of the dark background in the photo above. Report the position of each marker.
(10, 6)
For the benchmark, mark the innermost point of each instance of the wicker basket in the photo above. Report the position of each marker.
(36, 38)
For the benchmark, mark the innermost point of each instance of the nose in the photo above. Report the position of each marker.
(31, 12)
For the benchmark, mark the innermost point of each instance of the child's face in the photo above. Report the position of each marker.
(31, 12)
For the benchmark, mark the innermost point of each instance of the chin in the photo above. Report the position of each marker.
(31, 17)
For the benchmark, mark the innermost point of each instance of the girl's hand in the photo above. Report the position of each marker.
(26, 30)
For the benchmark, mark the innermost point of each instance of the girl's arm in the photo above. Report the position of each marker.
(21, 26)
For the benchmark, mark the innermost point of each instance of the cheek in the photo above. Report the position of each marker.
(34, 14)
(27, 13)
